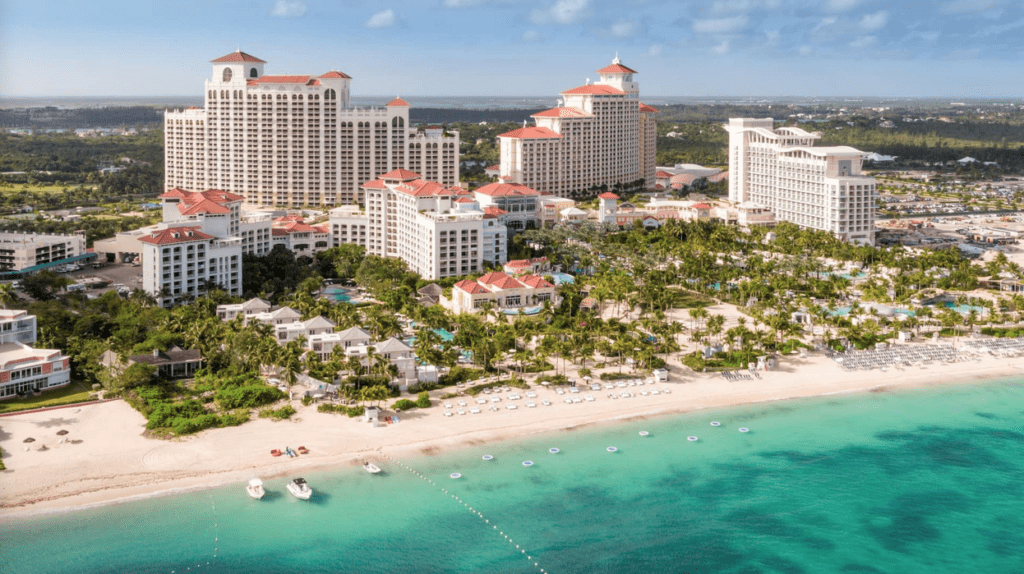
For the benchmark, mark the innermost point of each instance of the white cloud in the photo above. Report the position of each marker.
(805, 50)
(772, 37)
(874, 21)
(288, 8)
(721, 49)
(624, 29)
(840, 5)
(383, 19)
(863, 42)
(654, 50)
(720, 25)
(562, 12)
(531, 36)
(742, 6)
(825, 23)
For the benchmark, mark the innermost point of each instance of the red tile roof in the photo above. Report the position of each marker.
(239, 56)
(701, 206)
(420, 188)
(499, 280)
(608, 195)
(204, 206)
(719, 176)
(402, 174)
(596, 90)
(495, 167)
(464, 199)
(648, 109)
(617, 69)
(518, 263)
(375, 184)
(175, 235)
(562, 113)
(278, 232)
(398, 102)
(297, 227)
(663, 174)
(530, 133)
(534, 281)
(176, 193)
(335, 74)
(493, 212)
(471, 287)
(505, 189)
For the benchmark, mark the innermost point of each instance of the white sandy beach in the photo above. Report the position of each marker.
(115, 462)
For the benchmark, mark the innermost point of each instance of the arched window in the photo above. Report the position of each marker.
(252, 73)
(226, 77)
(330, 94)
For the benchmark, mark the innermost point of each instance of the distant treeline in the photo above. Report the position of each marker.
(75, 118)
(449, 116)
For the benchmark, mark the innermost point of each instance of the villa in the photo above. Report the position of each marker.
(509, 294)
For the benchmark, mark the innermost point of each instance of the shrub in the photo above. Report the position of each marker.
(423, 401)
(278, 414)
(615, 376)
(306, 401)
(329, 408)
(553, 379)
(420, 387)
(403, 405)
(249, 396)
(459, 374)
(356, 411)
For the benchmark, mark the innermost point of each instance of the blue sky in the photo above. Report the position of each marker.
(947, 48)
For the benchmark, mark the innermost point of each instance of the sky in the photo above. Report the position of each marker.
(958, 49)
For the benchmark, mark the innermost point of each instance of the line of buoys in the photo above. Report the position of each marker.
(479, 514)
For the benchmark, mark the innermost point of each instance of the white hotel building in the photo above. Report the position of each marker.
(294, 140)
(438, 231)
(815, 187)
(601, 135)
(22, 367)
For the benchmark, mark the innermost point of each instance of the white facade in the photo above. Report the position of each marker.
(601, 135)
(815, 187)
(19, 251)
(286, 332)
(294, 140)
(503, 291)
(251, 307)
(22, 367)
(438, 231)
(324, 344)
(396, 352)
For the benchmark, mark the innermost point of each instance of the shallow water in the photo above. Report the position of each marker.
(912, 482)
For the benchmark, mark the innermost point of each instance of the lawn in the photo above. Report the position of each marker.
(39, 188)
(72, 393)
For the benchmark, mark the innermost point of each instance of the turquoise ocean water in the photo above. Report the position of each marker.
(928, 481)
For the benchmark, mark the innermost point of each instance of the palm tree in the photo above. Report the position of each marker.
(7, 294)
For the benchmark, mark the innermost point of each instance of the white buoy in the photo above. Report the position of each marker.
(744, 429)
(691, 438)
(488, 457)
(527, 463)
(611, 449)
(715, 423)
(644, 433)
(455, 475)
(553, 450)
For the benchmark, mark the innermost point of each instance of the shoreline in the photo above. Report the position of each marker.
(91, 476)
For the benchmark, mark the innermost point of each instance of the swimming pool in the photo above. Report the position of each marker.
(341, 294)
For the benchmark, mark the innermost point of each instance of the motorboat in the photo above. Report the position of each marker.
(255, 488)
(300, 489)
(371, 468)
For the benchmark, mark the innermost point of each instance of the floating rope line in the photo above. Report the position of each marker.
(471, 510)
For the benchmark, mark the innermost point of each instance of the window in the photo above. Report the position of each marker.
(226, 77)
(252, 73)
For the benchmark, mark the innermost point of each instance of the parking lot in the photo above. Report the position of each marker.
(117, 273)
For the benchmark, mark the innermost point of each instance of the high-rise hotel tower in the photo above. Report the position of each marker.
(295, 140)
(815, 187)
(600, 135)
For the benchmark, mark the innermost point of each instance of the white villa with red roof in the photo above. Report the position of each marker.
(602, 135)
(294, 140)
(508, 294)
(23, 368)
(293, 233)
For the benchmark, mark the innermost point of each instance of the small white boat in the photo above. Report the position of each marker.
(371, 468)
(255, 488)
(300, 489)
